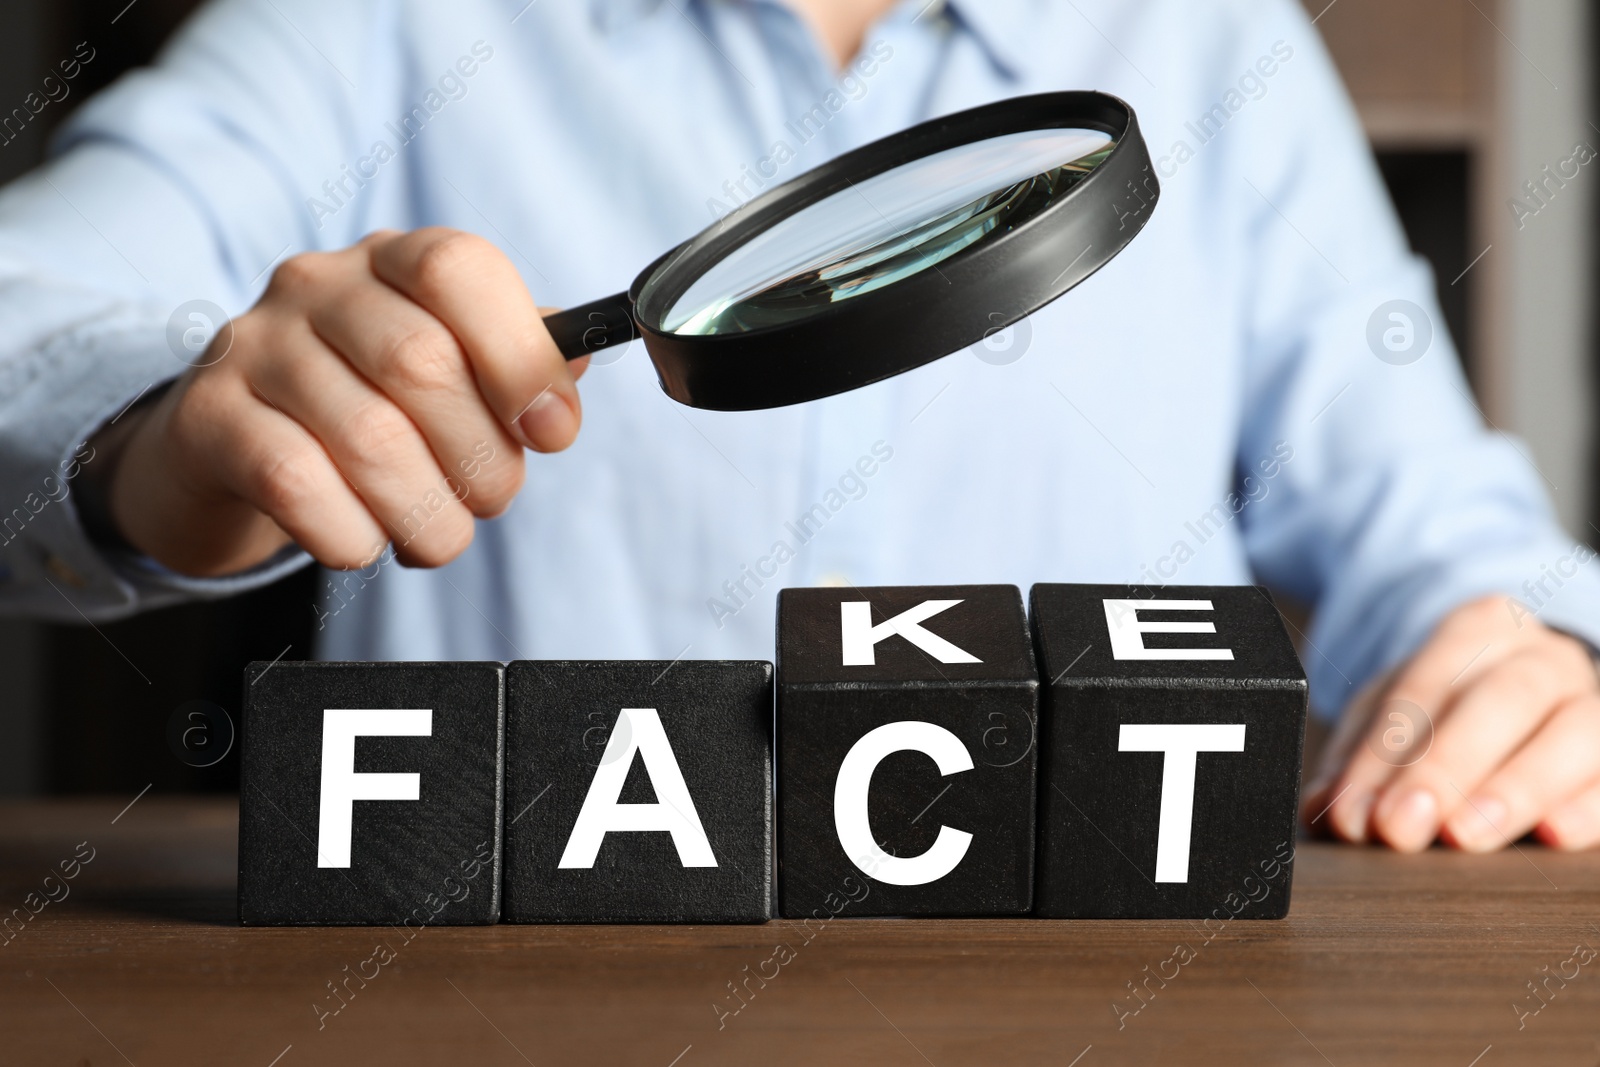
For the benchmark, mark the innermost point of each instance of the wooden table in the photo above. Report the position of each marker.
(1385, 959)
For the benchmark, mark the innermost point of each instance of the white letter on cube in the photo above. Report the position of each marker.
(1126, 630)
(1181, 742)
(638, 730)
(342, 786)
(850, 802)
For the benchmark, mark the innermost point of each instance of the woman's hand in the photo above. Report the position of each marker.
(379, 394)
(1490, 731)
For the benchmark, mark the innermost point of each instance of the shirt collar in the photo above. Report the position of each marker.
(999, 26)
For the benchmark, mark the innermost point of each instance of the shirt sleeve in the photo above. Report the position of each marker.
(1397, 503)
(184, 182)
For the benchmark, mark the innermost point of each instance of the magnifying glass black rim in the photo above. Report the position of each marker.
(924, 316)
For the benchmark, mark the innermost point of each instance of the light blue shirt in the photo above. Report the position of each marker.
(1207, 409)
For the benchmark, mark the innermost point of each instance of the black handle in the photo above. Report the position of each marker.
(593, 327)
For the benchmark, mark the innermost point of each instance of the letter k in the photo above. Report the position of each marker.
(860, 638)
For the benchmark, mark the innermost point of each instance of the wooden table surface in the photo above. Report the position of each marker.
(1384, 959)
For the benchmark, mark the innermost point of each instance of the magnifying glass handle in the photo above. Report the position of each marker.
(592, 327)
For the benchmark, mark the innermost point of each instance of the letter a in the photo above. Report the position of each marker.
(638, 730)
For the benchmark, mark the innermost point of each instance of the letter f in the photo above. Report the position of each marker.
(342, 786)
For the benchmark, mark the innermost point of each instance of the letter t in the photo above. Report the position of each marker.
(1182, 742)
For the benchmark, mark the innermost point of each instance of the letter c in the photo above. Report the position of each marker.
(850, 803)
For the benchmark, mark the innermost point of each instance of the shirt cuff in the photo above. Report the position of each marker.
(55, 398)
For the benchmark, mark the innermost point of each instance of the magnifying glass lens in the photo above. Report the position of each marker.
(885, 228)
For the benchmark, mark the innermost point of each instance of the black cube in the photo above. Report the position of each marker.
(1170, 752)
(370, 794)
(906, 750)
(639, 791)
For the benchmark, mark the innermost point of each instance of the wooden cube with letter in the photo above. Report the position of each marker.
(370, 794)
(639, 791)
(1170, 752)
(906, 729)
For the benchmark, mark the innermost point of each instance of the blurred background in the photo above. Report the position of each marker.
(1465, 101)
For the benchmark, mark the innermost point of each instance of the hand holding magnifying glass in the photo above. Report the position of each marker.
(383, 394)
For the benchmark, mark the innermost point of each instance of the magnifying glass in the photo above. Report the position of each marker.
(886, 258)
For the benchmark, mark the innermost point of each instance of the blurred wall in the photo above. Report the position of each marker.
(26, 32)
(1546, 330)
(1506, 85)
